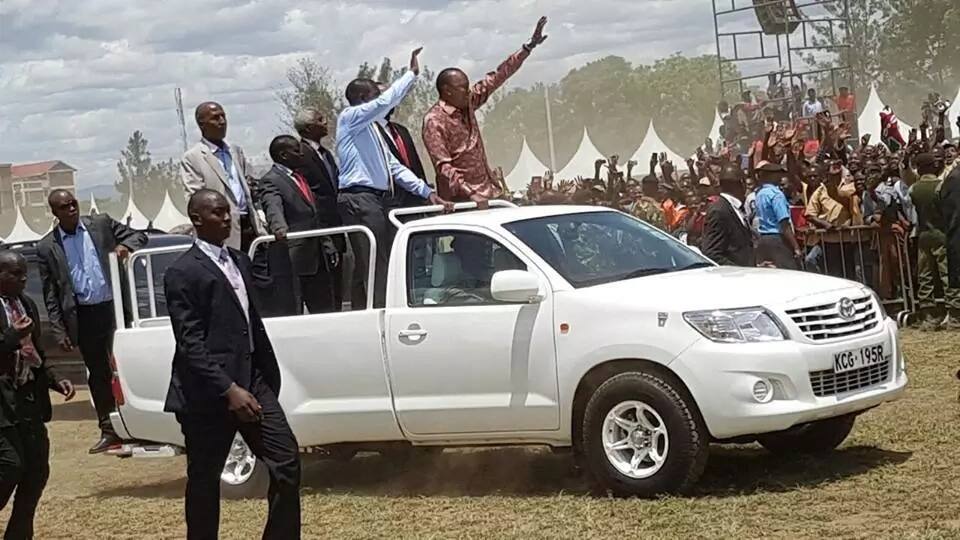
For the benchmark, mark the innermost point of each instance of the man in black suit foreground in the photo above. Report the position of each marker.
(225, 376)
(25, 379)
(291, 206)
(727, 238)
(74, 268)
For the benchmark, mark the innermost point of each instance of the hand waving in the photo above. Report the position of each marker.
(538, 36)
(415, 61)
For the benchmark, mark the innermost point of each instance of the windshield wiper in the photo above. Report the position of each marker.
(701, 264)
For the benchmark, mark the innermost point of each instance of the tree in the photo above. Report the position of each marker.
(311, 86)
(615, 101)
(146, 182)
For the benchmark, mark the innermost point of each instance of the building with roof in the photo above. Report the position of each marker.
(27, 185)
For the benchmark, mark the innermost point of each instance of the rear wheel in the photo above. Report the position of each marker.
(642, 438)
(813, 438)
(243, 475)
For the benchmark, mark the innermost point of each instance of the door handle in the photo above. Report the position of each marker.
(412, 334)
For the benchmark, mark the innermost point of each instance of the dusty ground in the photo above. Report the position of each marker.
(897, 477)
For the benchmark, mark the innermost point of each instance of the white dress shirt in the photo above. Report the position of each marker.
(225, 158)
(221, 257)
(737, 207)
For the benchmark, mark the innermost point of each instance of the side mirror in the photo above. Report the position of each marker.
(516, 287)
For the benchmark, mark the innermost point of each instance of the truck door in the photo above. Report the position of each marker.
(461, 362)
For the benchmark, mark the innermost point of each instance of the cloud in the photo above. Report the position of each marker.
(78, 77)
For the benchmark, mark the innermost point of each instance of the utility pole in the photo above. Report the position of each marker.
(553, 152)
(178, 97)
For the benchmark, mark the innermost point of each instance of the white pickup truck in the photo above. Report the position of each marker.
(572, 327)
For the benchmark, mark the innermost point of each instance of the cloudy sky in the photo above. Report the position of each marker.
(77, 77)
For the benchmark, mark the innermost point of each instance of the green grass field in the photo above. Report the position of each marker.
(898, 476)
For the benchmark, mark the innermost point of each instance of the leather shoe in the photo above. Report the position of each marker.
(106, 442)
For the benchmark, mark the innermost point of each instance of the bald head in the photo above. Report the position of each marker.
(209, 212)
(212, 121)
(13, 273)
(454, 88)
(65, 208)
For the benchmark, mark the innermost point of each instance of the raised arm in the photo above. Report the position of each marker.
(361, 116)
(484, 88)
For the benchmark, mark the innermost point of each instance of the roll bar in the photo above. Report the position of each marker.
(436, 208)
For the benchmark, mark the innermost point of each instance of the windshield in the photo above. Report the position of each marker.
(601, 247)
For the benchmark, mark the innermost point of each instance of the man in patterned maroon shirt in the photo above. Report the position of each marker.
(452, 135)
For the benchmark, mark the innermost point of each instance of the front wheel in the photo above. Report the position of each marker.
(243, 475)
(642, 438)
(814, 438)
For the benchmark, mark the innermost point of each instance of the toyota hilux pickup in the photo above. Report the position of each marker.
(577, 328)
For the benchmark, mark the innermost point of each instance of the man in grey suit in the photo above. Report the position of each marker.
(291, 206)
(215, 164)
(74, 268)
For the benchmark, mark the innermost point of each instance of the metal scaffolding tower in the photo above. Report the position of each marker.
(785, 39)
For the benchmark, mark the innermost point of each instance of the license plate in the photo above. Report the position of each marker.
(870, 355)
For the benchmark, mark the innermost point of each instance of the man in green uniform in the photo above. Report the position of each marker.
(931, 241)
(647, 207)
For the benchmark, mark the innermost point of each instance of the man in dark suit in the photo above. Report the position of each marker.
(291, 206)
(321, 171)
(225, 376)
(73, 264)
(25, 381)
(727, 239)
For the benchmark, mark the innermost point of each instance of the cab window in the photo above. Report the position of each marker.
(453, 268)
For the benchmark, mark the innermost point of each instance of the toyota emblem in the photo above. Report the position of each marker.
(847, 308)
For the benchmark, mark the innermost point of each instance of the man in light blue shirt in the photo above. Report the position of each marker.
(777, 244)
(370, 175)
(73, 263)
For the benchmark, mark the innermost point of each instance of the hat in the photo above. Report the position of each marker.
(705, 182)
(767, 166)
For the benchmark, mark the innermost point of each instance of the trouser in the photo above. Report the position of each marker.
(208, 439)
(95, 341)
(24, 468)
(932, 273)
(247, 233)
(368, 208)
(316, 292)
(773, 248)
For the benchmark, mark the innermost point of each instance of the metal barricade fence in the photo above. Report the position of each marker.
(876, 256)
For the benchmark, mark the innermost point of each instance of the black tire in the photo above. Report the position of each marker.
(814, 438)
(689, 443)
(254, 488)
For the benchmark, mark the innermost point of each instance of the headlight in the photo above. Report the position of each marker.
(749, 325)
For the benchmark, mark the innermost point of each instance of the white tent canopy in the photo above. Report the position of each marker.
(21, 232)
(528, 166)
(582, 162)
(93, 205)
(953, 113)
(869, 121)
(653, 144)
(715, 130)
(136, 218)
(169, 216)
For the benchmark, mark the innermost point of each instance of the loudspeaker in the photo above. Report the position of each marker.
(777, 18)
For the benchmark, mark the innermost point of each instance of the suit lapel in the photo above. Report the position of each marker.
(218, 274)
(217, 167)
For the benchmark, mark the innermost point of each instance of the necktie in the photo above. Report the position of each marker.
(304, 188)
(27, 357)
(401, 148)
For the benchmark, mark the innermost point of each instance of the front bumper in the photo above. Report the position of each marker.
(721, 378)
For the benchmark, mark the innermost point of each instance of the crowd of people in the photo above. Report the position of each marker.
(791, 186)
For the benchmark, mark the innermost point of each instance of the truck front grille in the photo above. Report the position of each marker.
(824, 322)
(827, 383)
